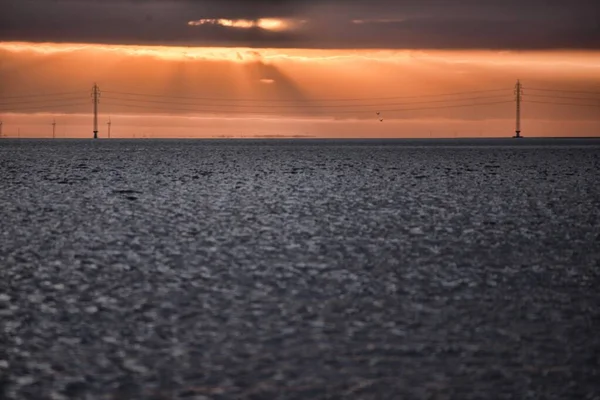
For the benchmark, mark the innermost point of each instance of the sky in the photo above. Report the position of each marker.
(310, 68)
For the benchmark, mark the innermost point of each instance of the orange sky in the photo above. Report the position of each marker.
(206, 92)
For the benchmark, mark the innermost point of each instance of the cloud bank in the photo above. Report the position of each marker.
(410, 24)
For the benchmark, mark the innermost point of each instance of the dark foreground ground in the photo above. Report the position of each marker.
(299, 270)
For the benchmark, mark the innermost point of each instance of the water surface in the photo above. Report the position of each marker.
(299, 269)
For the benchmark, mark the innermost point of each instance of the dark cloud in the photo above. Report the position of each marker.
(466, 24)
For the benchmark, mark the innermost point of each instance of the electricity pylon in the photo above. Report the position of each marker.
(96, 100)
(518, 95)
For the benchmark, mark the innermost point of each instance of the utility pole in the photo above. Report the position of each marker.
(109, 124)
(518, 95)
(0, 129)
(54, 129)
(96, 99)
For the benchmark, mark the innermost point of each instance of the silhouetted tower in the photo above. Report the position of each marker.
(109, 124)
(518, 95)
(53, 129)
(0, 128)
(96, 99)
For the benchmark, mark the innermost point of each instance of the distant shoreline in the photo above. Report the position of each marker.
(274, 137)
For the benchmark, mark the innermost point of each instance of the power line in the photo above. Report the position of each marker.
(306, 105)
(563, 104)
(337, 111)
(563, 91)
(40, 95)
(39, 101)
(562, 97)
(43, 107)
(322, 107)
(306, 100)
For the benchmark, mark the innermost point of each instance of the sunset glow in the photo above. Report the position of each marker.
(271, 24)
(534, 59)
(291, 85)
